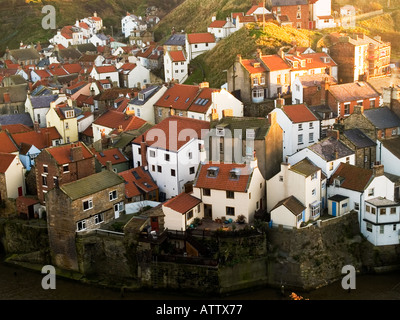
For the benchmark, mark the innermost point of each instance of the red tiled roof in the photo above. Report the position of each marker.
(128, 66)
(222, 181)
(15, 128)
(105, 69)
(42, 74)
(141, 180)
(217, 24)
(6, 144)
(248, 64)
(38, 139)
(355, 178)
(177, 125)
(114, 119)
(253, 8)
(197, 106)
(299, 113)
(62, 154)
(179, 96)
(114, 155)
(246, 19)
(5, 160)
(72, 67)
(96, 18)
(182, 203)
(315, 62)
(27, 201)
(83, 25)
(88, 132)
(205, 37)
(274, 62)
(237, 14)
(177, 56)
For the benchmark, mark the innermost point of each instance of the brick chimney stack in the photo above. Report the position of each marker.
(109, 166)
(378, 169)
(143, 149)
(76, 153)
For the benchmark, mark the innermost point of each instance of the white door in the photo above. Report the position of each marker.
(116, 211)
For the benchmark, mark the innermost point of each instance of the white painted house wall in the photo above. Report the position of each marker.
(15, 178)
(174, 220)
(388, 159)
(175, 70)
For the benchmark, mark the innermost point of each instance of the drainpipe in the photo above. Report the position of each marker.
(360, 208)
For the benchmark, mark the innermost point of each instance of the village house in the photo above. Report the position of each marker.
(80, 207)
(64, 118)
(230, 190)
(118, 161)
(176, 42)
(327, 154)
(181, 211)
(234, 139)
(139, 185)
(360, 57)
(221, 28)
(106, 73)
(12, 99)
(371, 193)
(309, 89)
(28, 207)
(143, 104)
(342, 98)
(172, 151)
(305, 182)
(131, 22)
(38, 106)
(62, 164)
(198, 43)
(12, 178)
(197, 102)
(133, 75)
(297, 12)
(23, 57)
(300, 126)
(175, 66)
(114, 121)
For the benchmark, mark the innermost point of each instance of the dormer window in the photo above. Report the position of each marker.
(212, 172)
(295, 64)
(338, 181)
(234, 174)
(220, 132)
(303, 63)
(69, 114)
(141, 97)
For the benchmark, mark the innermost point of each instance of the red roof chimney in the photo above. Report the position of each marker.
(6, 97)
(143, 149)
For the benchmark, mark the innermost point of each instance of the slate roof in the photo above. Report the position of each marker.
(359, 138)
(327, 147)
(182, 203)
(305, 167)
(91, 184)
(148, 93)
(22, 118)
(25, 54)
(292, 204)
(355, 178)
(338, 198)
(382, 118)
(69, 53)
(222, 181)
(43, 101)
(176, 40)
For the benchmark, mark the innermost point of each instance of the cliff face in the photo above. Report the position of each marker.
(313, 257)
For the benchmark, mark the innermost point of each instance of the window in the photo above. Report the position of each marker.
(300, 139)
(311, 125)
(87, 204)
(153, 167)
(381, 229)
(298, 16)
(112, 195)
(173, 172)
(382, 211)
(159, 112)
(372, 103)
(280, 178)
(206, 192)
(230, 195)
(311, 137)
(392, 210)
(298, 8)
(255, 81)
(159, 169)
(98, 218)
(166, 157)
(313, 192)
(191, 170)
(152, 153)
(299, 217)
(369, 227)
(315, 210)
(262, 80)
(373, 210)
(347, 108)
(367, 208)
(45, 168)
(365, 158)
(138, 112)
(44, 181)
(258, 93)
(300, 126)
(371, 191)
(314, 176)
(278, 79)
(66, 125)
(356, 206)
(330, 166)
(190, 155)
(189, 215)
(81, 225)
(347, 159)
(66, 168)
(230, 211)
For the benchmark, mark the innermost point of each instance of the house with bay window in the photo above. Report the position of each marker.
(303, 181)
(80, 207)
(370, 192)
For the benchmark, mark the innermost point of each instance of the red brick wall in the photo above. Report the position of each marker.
(291, 12)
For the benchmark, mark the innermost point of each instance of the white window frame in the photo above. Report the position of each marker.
(81, 223)
(113, 195)
(90, 204)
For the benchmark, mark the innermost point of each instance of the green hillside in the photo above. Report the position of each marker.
(23, 22)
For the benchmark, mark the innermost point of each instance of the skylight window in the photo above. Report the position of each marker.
(234, 174)
(176, 99)
(212, 172)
